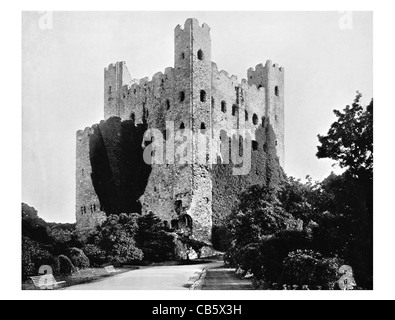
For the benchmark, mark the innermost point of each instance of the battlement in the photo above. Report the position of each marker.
(193, 94)
(191, 24)
(269, 67)
(81, 134)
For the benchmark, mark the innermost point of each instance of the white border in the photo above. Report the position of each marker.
(11, 146)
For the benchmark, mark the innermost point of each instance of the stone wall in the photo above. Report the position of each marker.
(191, 95)
(88, 210)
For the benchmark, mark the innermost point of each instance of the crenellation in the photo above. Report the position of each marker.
(193, 94)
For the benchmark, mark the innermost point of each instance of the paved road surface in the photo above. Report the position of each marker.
(150, 278)
(220, 278)
(171, 278)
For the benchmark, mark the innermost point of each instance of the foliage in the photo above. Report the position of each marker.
(66, 267)
(259, 214)
(33, 226)
(117, 238)
(350, 139)
(337, 215)
(152, 238)
(265, 171)
(307, 267)
(78, 258)
(34, 255)
(95, 254)
(119, 173)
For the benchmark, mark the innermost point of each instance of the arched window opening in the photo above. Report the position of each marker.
(254, 145)
(235, 110)
(167, 104)
(182, 126)
(276, 90)
(185, 223)
(182, 96)
(133, 117)
(200, 55)
(260, 86)
(254, 119)
(202, 96)
(203, 127)
(223, 106)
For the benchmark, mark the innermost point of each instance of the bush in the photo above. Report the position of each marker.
(222, 238)
(117, 238)
(34, 256)
(156, 244)
(96, 256)
(66, 267)
(78, 258)
(307, 267)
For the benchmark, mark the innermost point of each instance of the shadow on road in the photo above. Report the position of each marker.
(225, 279)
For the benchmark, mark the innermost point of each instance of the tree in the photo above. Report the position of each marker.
(259, 213)
(156, 244)
(117, 238)
(350, 142)
(350, 139)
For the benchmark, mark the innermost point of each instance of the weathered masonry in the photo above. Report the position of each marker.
(193, 94)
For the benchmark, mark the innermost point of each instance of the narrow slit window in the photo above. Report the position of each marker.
(202, 96)
(200, 55)
(182, 96)
(246, 115)
(276, 90)
(167, 105)
(234, 110)
(254, 119)
(223, 106)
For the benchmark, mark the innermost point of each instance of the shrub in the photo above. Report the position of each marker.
(78, 258)
(96, 256)
(307, 267)
(156, 244)
(117, 238)
(66, 267)
(34, 256)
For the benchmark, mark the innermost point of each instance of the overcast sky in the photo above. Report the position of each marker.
(63, 80)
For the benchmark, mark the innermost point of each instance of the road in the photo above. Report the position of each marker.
(150, 278)
(172, 277)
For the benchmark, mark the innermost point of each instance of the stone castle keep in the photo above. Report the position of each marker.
(193, 94)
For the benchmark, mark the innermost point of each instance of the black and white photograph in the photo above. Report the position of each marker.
(194, 178)
(165, 153)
